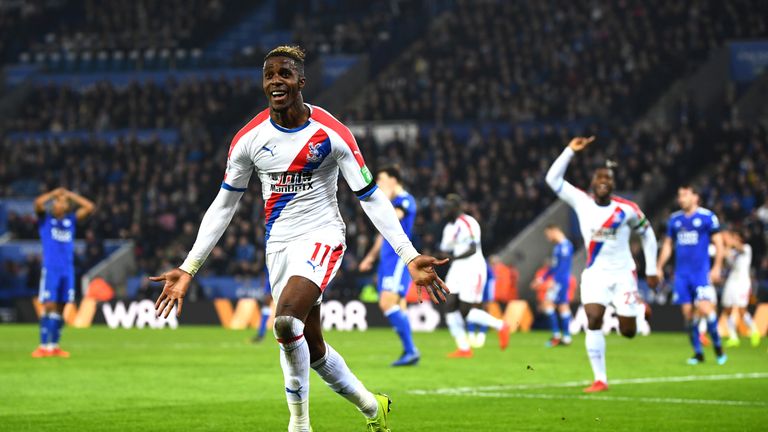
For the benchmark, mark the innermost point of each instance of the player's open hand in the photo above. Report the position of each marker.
(578, 144)
(422, 270)
(176, 286)
(365, 265)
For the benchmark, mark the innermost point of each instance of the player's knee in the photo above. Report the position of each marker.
(287, 327)
(594, 322)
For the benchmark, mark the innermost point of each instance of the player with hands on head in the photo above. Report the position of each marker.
(57, 228)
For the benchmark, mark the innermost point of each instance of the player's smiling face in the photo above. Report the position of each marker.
(282, 82)
(602, 183)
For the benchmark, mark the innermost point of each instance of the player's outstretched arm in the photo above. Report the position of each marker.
(85, 206)
(213, 225)
(555, 177)
(421, 267)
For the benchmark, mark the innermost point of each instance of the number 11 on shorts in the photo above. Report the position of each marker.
(318, 247)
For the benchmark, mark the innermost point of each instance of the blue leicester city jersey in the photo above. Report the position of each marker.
(407, 203)
(562, 255)
(58, 238)
(691, 234)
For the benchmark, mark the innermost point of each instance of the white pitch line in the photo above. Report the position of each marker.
(648, 380)
(607, 398)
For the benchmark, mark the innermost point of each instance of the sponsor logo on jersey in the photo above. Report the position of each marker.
(367, 176)
(61, 235)
(291, 182)
(688, 238)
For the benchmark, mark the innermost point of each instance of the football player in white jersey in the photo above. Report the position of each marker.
(606, 222)
(468, 274)
(297, 151)
(737, 288)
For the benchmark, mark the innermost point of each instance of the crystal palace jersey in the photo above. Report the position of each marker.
(691, 234)
(605, 229)
(299, 170)
(458, 237)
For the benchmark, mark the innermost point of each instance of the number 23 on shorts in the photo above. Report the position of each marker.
(632, 297)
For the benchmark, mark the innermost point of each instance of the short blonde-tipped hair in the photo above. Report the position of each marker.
(293, 52)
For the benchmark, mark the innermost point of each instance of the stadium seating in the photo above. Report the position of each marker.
(514, 61)
(494, 105)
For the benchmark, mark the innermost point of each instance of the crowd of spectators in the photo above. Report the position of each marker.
(498, 60)
(171, 104)
(353, 27)
(91, 28)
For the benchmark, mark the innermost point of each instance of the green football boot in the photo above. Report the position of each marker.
(379, 423)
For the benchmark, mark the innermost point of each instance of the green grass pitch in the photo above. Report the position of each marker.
(206, 378)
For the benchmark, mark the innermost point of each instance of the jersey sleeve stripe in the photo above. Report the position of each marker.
(231, 188)
(466, 222)
(632, 204)
(259, 119)
(367, 191)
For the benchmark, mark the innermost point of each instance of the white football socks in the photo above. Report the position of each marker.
(481, 317)
(595, 342)
(294, 359)
(455, 323)
(334, 371)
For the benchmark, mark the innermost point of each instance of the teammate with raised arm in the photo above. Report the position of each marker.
(392, 279)
(606, 222)
(57, 228)
(297, 151)
(690, 231)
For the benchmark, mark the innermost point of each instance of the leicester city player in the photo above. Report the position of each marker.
(57, 278)
(393, 277)
(692, 229)
(557, 295)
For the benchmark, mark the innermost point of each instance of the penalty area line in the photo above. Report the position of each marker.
(567, 384)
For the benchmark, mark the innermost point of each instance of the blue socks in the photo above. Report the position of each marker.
(717, 343)
(56, 322)
(44, 330)
(50, 329)
(265, 312)
(402, 326)
(554, 324)
(565, 324)
(693, 334)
